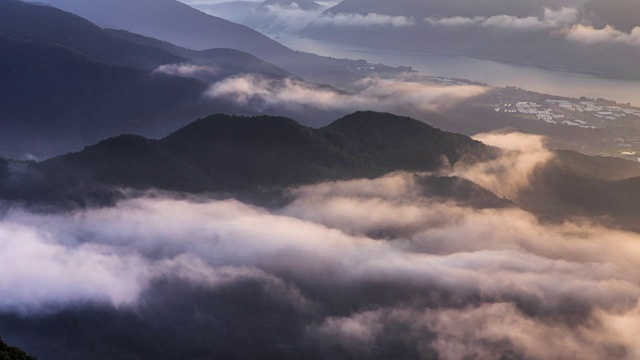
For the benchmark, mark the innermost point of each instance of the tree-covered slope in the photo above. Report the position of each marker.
(26, 21)
(224, 153)
(53, 99)
(12, 353)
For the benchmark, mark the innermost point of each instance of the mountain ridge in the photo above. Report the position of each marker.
(243, 156)
(223, 153)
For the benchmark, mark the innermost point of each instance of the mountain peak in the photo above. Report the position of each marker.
(368, 119)
(240, 129)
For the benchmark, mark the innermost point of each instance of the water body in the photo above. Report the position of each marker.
(486, 71)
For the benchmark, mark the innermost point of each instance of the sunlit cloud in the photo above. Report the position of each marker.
(371, 19)
(551, 19)
(367, 93)
(510, 173)
(189, 70)
(608, 35)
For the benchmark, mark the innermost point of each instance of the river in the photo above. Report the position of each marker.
(486, 71)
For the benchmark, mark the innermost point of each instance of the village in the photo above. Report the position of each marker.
(584, 114)
(603, 127)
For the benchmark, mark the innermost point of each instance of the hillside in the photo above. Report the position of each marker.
(224, 153)
(12, 353)
(230, 61)
(66, 83)
(249, 156)
(25, 21)
(60, 99)
(180, 24)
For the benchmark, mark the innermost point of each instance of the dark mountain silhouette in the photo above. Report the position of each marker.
(53, 99)
(41, 23)
(180, 24)
(172, 21)
(38, 23)
(12, 353)
(66, 83)
(230, 61)
(224, 153)
(255, 156)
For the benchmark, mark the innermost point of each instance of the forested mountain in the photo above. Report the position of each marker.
(12, 353)
(66, 83)
(59, 99)
(224, 153)
(241, 155)
(24, 21)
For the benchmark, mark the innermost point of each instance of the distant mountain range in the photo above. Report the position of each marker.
(12, 353)
(178, 23)
(54, 99)
(593, 37)
(65, 82)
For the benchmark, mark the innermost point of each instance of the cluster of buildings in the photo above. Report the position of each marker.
(605, 112)
(566, 112)
(532, 108)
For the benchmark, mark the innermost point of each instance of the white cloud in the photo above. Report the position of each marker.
(608, 35)
(189, 70)
(455, 21)
(368, 93)
(371, 19)
(508, 174)
(559, 18)
(566, 21)
(489, 331)
(514, 23)
(551, 19)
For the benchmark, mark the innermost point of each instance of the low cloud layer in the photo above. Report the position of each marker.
(607, 35)
(200, 72)
(449, 280)
(369, 93)
(570, 23)
(551, 19)
(510, 173)
(371, 19)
